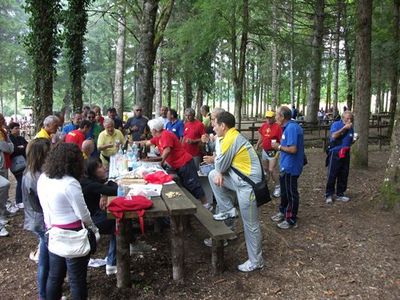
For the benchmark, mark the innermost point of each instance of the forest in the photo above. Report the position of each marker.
(246, 56)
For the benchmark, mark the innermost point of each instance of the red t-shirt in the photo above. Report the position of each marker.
(178, 157)
(193, 130)
(76, 137)
(270, 132)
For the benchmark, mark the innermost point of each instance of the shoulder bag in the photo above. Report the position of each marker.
(18, 164)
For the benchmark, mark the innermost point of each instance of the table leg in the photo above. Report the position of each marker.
(217, 256)
(123, 255)
(177, 247)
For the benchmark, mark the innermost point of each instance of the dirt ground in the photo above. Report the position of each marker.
(344, 251)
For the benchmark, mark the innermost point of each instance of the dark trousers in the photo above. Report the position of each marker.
(338, 173)
(77, 271)
(18, 190)
(289, 197)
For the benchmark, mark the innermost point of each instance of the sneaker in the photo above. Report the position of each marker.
(329, 200)
(20, 205)
(11, 208)
(34, 255)
(248, 266)
(342, 198)
(3, 232)
(286, 225)
(3, 221)
(226, 215)
(278, 217)
(110, 270)
(208, 242)
(208, 206)
(277, 191)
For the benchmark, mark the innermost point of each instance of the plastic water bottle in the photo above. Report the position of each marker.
(121, 191)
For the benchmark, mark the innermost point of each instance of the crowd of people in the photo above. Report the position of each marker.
(62, 174)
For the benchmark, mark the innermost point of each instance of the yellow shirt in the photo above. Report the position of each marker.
(105, 139)
(42, 134)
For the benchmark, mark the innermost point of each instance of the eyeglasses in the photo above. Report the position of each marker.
(139, 109)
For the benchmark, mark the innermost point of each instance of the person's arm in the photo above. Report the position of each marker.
(109, 189)
(165, 154)
(258, 143)
(342, 131)
(224, 161)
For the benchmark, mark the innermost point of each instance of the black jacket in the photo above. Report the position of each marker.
(18, 141)
(92, 191)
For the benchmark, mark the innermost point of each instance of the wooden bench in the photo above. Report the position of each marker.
(217, 230)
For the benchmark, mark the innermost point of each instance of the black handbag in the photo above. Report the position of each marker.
(261, 191)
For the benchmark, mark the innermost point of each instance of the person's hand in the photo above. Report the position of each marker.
(103, 202)
(205, 138)
(275, 145)
(348, 125)
(134, 128)
(219, 179)
(188, 141)
(209, 159)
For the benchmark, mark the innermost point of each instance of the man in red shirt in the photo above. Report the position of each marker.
(79, 135)
(173, 153)
(192, 133)
(269, 131)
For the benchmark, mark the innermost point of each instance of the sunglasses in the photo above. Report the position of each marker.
(138, 109)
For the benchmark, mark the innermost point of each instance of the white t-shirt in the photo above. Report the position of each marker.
(62, 201)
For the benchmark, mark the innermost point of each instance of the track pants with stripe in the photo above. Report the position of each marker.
(289, 197)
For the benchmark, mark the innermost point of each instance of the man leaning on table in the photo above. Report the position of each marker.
(173, 153)
(237, 152)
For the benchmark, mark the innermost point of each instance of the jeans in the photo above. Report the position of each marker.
(77, 271)
(43, 265)
(107, 226)
(18, 190)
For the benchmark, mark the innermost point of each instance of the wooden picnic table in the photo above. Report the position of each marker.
(177, 208)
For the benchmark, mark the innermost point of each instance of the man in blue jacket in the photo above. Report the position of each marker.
(291, 163)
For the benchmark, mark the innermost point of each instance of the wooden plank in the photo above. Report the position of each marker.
(157, 210)
(179, 204)
(217, 229)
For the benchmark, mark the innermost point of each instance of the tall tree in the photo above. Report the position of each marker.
(337, 55)
(43, 47)
(348, 54)
(150, 36)
(316, 57)
(363, 81)
(394, 77)
(120, 62)
(75, 28)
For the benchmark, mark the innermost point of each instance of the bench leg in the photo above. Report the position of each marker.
(177, 247)
(123, 255)
(217, 257)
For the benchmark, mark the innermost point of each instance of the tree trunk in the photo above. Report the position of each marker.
(169, 84)
(188, 93)
(348, 54)
(329, 80)
(390, 189)
(119, 65)
(337, 58)
(291, 54)
(158, 102)
(238, 75)
(363, 81)
(16, 88)
(394, 76)
(274, 76)
(316, 56)
(199, 100)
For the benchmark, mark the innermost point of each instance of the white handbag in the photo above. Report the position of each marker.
(68, 243)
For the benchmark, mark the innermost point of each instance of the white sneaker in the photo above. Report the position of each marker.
(329, 200)
(277, 191)
(3, 232)
(11, 208)
(232, 213)
(343, 198)
(248, 266)
(3, 221)
(110, 270)
(278, 217)
(34, 255)
(20, 205)
(208, 242)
